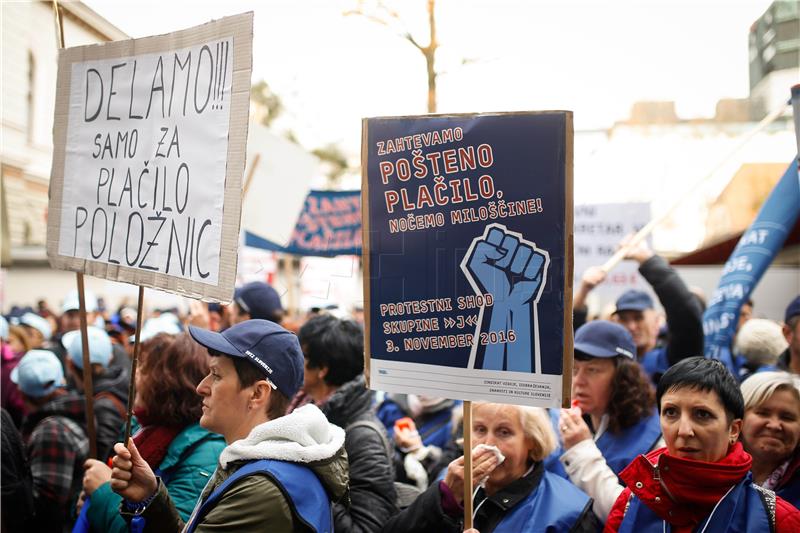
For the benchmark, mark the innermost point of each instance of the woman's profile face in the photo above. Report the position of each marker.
(592, 384)
(501, 425)
(695, 425)
(224, 399)
(771, 430)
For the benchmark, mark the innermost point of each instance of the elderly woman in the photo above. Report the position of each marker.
(614, 418)
(167, 433)
(701, 481)
(771, 432)
(515, 494)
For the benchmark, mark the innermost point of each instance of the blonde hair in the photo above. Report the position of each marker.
(760, 387)
(535, 426)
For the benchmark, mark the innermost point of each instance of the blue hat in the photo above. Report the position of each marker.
(72, 303)
(38, 323)
(38, 373)
(258, 299)
(164, 323)
(601, 338)
(100, 349)
(633, 300)
(792, 310)
(274, 350)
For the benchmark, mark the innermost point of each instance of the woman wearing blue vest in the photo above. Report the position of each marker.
(701, 481)
(166, 431)
(771, 432)
(514, 493)
(614, 418)
(277, 473)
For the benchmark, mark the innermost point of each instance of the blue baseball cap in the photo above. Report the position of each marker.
(259, 300)
(100, 349)
(38, 373)
(164, 323)
(72, 302)
(792, 310)
(32, 320)
(274, 350)
(634, 300)
(601, 338)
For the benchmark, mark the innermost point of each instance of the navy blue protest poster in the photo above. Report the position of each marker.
(467, 250)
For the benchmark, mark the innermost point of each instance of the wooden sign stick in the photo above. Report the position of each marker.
(467, 464)
(136, 350)
(88, 388)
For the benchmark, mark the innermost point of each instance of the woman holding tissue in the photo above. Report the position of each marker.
(613, 419)
(513, 492)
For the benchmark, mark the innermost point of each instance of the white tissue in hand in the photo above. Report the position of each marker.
(494, 449)
(497, 453)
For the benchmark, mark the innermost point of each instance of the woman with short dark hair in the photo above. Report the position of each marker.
(701, 480)
(277, 473)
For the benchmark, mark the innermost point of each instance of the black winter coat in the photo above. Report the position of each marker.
(110, 403)
(372, 491)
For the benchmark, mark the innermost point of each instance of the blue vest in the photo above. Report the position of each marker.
(554, 506)
(742, 509)
(655, 362)
(618, 449)
(306, 495)
(791, 492)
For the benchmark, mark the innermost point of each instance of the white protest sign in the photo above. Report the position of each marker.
(599, 228)
(149, 139)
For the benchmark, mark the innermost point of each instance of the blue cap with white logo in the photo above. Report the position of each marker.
(273, 349)
(601, 338)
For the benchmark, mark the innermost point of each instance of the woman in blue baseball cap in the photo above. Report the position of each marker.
(277, 473)
(613, 418)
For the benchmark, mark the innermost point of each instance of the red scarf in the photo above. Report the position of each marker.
(688, 490)
(152, 441)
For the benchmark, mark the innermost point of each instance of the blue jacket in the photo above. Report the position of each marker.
(618, 449)
(556, 505)
(190, 461)
(744, 508)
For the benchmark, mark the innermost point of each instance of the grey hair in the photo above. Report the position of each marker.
(760, 341)
(760, 387)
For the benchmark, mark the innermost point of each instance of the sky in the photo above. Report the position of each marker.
(595, 58)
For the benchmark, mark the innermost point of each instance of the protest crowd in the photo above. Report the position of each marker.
(245, 420)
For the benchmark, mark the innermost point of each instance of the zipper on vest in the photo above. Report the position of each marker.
(656, 473)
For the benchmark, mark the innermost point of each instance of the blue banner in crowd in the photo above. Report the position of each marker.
(743, 270)
(329, 225)
(469, 224)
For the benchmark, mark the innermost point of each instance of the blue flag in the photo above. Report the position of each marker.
(748, 262)
(329, 225)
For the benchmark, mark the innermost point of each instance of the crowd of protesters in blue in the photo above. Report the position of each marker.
(247, 421)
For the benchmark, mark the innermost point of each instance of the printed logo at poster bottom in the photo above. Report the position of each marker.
(539, 390)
